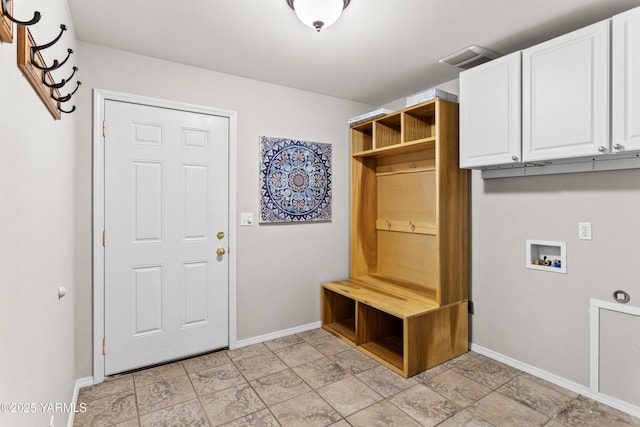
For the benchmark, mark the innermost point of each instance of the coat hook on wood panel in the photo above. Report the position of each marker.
(7, 20)
(35, 75)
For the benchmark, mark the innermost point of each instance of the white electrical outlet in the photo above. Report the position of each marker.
(584, 231)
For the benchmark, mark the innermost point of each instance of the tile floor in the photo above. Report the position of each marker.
(314, 379)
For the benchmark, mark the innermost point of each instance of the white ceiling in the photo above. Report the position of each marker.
(379, 50)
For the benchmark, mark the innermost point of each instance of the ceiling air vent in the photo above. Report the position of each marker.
(469, 57)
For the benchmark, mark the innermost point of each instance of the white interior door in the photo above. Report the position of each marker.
(166, 225)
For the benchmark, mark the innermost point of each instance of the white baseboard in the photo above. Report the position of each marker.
(277, 334)
(80, 383)
(562, 382)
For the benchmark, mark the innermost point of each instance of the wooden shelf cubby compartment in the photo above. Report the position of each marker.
(406, 299)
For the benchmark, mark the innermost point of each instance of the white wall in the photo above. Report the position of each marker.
(280, 267)
(36, 234)
(541, 318)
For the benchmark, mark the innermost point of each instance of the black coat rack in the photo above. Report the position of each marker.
(32, 63)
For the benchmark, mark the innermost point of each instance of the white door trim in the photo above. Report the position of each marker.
(99, 98)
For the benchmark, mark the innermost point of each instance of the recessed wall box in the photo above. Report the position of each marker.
(546, 256)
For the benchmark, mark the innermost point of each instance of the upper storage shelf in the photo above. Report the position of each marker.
(404, 131)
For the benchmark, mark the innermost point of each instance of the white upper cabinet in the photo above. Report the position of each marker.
(626, 82)
(565, 81)
(490, 113)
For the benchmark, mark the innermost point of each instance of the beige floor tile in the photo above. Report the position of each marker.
(109, 387)
(164, 393)
(490, 373)
(230, 404)
(330, 345)
(307, 410)
(353, 361)
(583, 411)
(314, 334)
(349, 395)
(216, 379)
(129, 423)
(260, 366)
(159, 373)
(283, 342)
(424, 376)
(108, 410)
(279, 387)
(536, 396)
(249, 351)
(298, 354)
(262, 418)
(333, 384)
(549, 385)
(457, 388)
(183, 414)
(382, 414)
(460, 359)
(464, 419)
(320, 372)
(206, 361)
(502, 411)
(424, 405)
(385, 382)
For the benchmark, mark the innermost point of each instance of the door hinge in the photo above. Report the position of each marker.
(104, 346)
(104, 238)
(104, 128)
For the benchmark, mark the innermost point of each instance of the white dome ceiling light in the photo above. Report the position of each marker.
(318, 14)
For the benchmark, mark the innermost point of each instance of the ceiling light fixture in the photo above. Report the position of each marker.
(318, 14)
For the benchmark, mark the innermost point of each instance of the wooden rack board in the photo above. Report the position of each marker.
(34, 75)
(6, 26)
(395, 325)
(405, 303)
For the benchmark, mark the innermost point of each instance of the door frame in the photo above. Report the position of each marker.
(100, 96)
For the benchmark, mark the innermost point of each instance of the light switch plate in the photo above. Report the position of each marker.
(246, 218)
(584, 231)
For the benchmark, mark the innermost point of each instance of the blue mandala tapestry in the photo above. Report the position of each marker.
(295, 180)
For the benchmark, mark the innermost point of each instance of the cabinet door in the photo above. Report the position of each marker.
(490, 113)
(565, 83)
(626, 81)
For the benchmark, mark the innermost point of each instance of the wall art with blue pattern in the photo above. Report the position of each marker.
(295, 180)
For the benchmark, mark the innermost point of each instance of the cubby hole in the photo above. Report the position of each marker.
(381, 334)
(419, 123)
(339, 314)
(362, 138)
(387, 131)
(546, 256)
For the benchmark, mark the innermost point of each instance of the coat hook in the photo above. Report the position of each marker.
(388, 224)
(34, 20)
(68, 96)
(72, 74)
(35, 49)
(57, 85)
(67, 112)
(55, 64)
(52, 85)
(413, 226)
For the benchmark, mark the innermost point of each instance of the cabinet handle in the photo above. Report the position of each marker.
(602, 149)
(514, 158)
(618, 146)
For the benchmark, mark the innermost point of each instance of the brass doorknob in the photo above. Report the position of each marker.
(220, 251)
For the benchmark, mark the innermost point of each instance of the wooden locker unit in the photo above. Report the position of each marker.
(405, 303)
